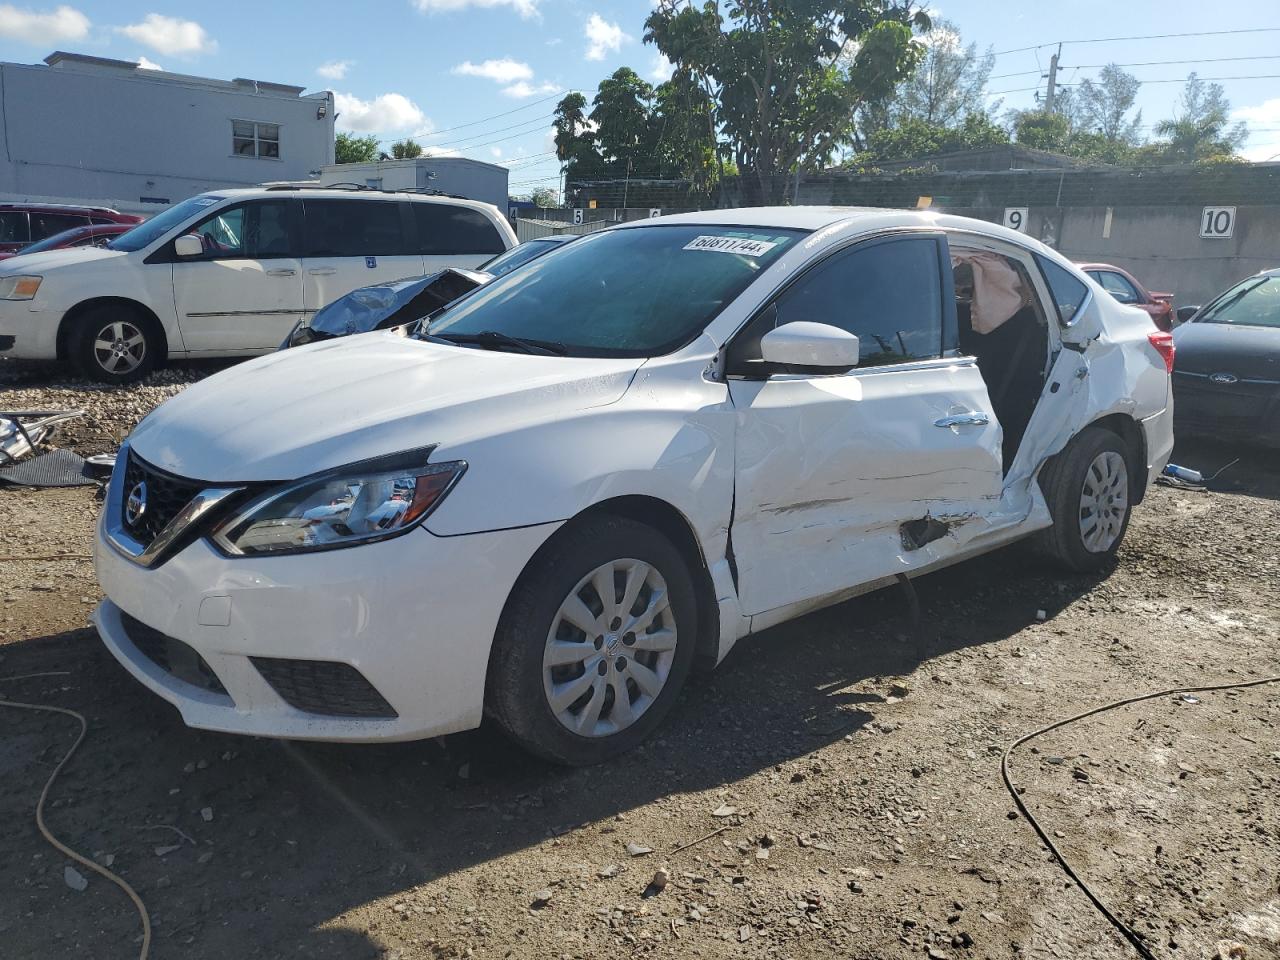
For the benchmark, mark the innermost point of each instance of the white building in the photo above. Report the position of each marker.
(89, 129)
(459, 176)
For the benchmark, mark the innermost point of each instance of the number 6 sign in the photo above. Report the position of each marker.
(1015, 218)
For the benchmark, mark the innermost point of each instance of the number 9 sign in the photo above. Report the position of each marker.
(1015, 218)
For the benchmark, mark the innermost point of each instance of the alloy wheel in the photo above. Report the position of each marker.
(120, 347)
(1104, 501)
(610, 648)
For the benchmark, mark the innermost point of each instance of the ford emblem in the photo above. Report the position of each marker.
(1223, 378)
(135, 504)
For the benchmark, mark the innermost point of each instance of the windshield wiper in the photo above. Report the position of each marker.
(494, 339)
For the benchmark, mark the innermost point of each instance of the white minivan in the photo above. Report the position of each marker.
(229, 273)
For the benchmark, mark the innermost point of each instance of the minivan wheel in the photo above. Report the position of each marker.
(1089, 492)
(114, 344)
(595, 642)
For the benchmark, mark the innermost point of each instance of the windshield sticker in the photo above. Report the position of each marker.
(745, 248)
(205, 201)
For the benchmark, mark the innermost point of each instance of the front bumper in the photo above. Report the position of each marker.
(26, 333)
(415, 615)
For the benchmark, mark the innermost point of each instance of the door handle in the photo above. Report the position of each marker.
(322, 271)
(972, 418)
(282, 272)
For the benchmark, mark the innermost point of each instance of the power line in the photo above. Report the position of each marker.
(1252, 76)
(1154, 36)
(532, 103)
(1169, 63)
(462, 141)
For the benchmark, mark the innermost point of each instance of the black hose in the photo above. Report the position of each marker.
(1128, 932)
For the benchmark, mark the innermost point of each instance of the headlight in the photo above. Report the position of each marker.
(360, 503)
(18, 288)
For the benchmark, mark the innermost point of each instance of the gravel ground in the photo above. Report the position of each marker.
(850, 763)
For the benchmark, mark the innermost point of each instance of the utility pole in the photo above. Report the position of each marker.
(1053, 80)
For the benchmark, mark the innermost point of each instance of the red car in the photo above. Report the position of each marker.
(94, 235)
(1124, 287)
(22, 224)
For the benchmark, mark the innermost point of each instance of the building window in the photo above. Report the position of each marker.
(250, 139)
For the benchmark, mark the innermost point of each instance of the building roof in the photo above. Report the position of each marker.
(61, 59)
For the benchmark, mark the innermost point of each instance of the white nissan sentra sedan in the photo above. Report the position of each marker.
(615, 461)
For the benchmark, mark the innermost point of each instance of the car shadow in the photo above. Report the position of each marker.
(1235, 466)
(314, 830)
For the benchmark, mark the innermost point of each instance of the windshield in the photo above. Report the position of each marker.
(504, 263)
(637, 292)
(1252, 303)
(53, 242)
(149, 231)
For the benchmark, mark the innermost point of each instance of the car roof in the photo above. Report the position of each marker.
(57, 207)
(341, 193)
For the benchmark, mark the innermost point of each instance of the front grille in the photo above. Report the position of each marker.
(171, 655)
(324, 687)
(166, 495)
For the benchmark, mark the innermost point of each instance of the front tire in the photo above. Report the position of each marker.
(1089, 490)
(595, 643)
(114, 344)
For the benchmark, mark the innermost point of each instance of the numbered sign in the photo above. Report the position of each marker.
(1218, 223)
(577, 215)
(1015, 218)
(655, 212)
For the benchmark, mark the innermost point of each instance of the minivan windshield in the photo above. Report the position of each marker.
(1251, 303)
(636, 292)
(149, 231)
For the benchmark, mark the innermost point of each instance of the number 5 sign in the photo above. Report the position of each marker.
(1015, 218)
(1218, 222)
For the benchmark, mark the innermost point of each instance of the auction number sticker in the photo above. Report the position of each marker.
(738, 245)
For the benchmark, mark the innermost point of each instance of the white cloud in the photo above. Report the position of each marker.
(661, 69)
(170, 35)
(145, 64)
(505, 70)
(384, 113)
(41, 27)
(335, 69)
(522, 90)
(1261, 146)
(496, 151)
(525, 8)
(602, 37)
(441, 152)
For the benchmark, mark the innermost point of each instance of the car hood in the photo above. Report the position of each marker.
(47, 260)
(294, 413)
(1247, 352)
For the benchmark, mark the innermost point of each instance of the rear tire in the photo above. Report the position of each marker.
(1089, 490)
(114, 344)
(577, 675)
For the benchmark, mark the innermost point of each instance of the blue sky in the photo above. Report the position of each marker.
(433, 68)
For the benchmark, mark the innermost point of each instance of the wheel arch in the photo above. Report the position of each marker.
(1135, 442)
(668, 520)
(72, 317)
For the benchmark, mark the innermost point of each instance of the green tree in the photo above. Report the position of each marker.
(545, 197)
(684, 118)
(913, 137)
(575, 140)
(622, 113)
(1202, 128)
(1042, 130)
(783, 96)
(406, 149)
(348, 148)
(1102, 107)
(948, 85)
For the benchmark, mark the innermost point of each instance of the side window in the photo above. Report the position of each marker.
(1118, 287)
(257, 230)
(47, 224)
(888, 293)
(14, 227)
(353, 228)
(1068, 291)
(445, 229)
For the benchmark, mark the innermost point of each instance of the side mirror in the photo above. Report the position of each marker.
(1186, 313)
(803, 343)
(188, 246)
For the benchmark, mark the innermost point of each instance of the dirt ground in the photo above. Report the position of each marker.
(850, 763)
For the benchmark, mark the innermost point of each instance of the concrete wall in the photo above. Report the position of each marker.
(461, 176)
(76, 132)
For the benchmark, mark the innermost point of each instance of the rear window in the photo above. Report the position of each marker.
(354, 228)
(1068, 290)
(445, 229)
(13, 226)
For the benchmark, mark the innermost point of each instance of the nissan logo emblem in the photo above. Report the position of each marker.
(135, 505)
(1224, 378)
